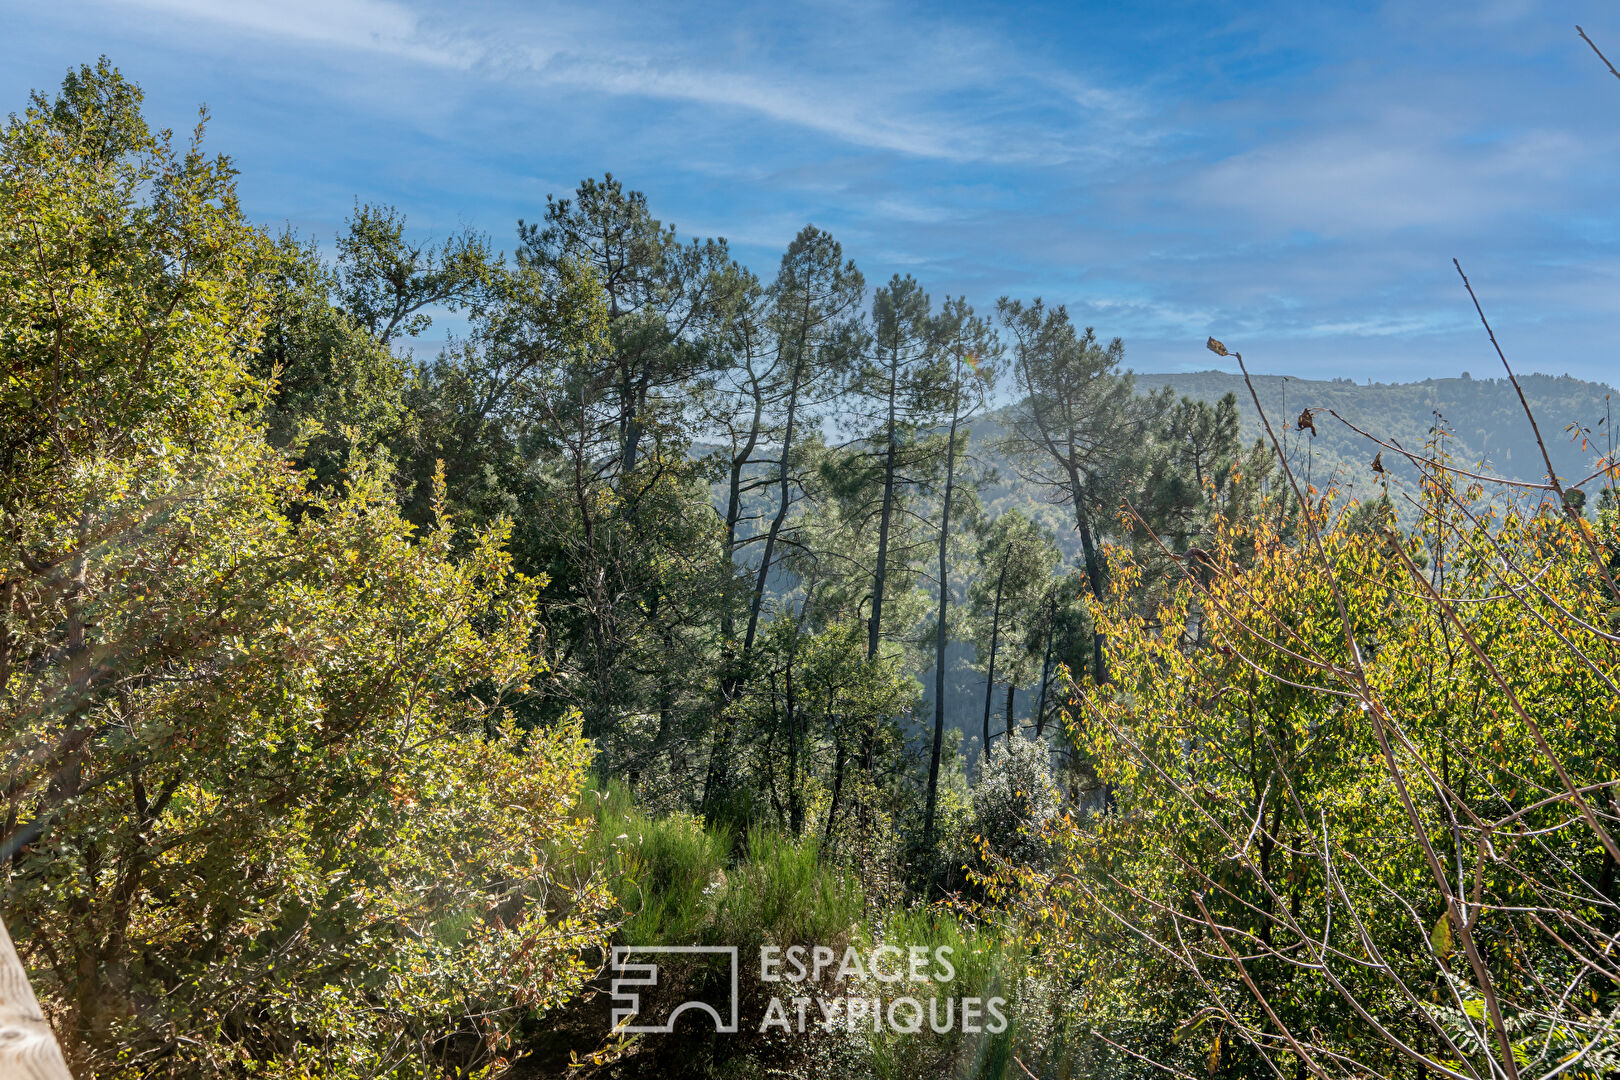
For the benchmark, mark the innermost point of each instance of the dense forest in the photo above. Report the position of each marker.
(358, 702)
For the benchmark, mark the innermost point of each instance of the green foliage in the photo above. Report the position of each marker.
(1005, 604)
(1272, 779)
(1539, 1042)
(784, 893)
(308, 647)
(1015, 799)
(336, 387)
(127, 280)
(662, 869)
(269, 811)
(665, 303)
(386, 283)
(986, 965)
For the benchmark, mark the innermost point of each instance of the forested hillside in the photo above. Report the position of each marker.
(357, 705)
(1483, 417)
(1482, 420)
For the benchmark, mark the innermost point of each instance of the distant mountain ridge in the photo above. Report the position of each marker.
(1484, 416)
(1489, 432)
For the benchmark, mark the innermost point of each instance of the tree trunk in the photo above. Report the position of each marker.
(880, 573)
(783, 501)
(990, 672)
(941, 640)
(1046, 671)
(838, 788)
(718, 763)
(731, 660)
(795, 795)
(739, 461)
(1094, 576)
(629, 426)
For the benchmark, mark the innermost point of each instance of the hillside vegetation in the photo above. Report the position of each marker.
(357, 708)
(1483, 416)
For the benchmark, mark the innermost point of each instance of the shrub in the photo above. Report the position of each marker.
(268, 810)
(1015, 800)
(783, 893)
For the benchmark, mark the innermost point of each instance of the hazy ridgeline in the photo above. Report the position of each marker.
(357, 703)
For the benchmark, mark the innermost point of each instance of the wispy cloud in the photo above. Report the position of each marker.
(813, 107)
(894, 108)
(1297, 174)
(366, 25)
(1412, 171)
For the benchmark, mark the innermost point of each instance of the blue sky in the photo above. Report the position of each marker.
(1292, 178)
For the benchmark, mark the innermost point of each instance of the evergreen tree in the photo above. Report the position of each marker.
(810, 307)
(1017, 559)
(1079, 421)
(972, 377)
(267, 811)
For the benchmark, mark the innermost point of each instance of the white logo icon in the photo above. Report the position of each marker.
(627, 1003)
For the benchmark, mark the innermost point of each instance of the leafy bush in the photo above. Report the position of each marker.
(1015, 800)
(1352, 776)
(273, 816)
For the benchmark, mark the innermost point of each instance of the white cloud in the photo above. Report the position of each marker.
(807, 105)
(367, 25)
(885, 106)
(1408, 172)
(1397, 326)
